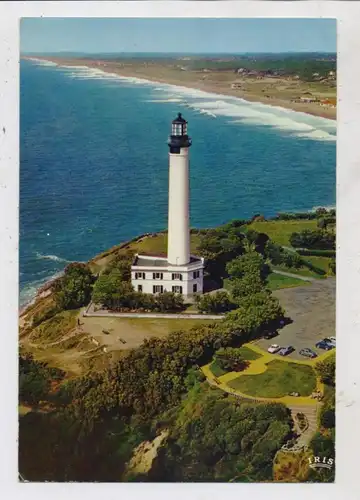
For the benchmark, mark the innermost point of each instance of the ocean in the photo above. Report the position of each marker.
(94, 166)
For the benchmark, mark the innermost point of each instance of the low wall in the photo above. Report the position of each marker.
(101, 313)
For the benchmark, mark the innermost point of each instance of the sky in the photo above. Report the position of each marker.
(99, 35)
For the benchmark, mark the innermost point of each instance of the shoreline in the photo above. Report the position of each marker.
(107, 67)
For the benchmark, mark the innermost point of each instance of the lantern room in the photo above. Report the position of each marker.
(179, 138)
(179, 126)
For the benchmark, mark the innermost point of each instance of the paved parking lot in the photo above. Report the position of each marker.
(312, 309)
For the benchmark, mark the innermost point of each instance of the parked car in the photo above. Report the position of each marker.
(270, 335)
(330, 341)
(284, 351)
(324, 345)
(273, 348)
(308, 353)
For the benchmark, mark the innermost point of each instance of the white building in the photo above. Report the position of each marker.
(178, 271)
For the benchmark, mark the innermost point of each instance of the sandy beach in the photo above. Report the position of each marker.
(279, 92)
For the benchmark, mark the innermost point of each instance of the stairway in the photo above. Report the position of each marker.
(310, 413)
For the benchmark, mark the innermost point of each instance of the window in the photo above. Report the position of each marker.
(195, 288)
(158, 289)
(139, 276)
(176, 276)
(177, 129)
(157, 276)
(177, 289)
(196, 274)
(139, 288)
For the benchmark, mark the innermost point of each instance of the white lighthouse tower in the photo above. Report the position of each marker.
(178, 271)
(178, 222)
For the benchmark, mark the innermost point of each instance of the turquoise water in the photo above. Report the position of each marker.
(94, 162)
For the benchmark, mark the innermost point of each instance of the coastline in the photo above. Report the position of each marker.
(217, 88)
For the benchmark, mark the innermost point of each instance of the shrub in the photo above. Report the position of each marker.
(326, 370)
(314, 239)
(215, 303)
(316, 252)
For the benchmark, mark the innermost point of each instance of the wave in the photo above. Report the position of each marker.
(257, 114)
(51, 257)
(327, 207)
(171, 99)
(235, 109)
(42, 62)
(28, 292)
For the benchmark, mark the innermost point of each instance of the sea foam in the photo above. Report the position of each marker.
(237, 110)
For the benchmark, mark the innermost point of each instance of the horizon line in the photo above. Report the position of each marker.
(176, 52)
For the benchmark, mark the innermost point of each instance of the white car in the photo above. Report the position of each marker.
(331, 341)
(273, 348)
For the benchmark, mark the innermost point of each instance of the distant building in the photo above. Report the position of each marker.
(308, 99)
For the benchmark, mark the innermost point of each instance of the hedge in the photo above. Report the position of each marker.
(315, 252)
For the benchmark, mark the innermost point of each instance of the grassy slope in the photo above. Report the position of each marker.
(280, 231)
(151, 244)
(279, 380)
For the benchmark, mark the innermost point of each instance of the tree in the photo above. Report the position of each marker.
(251, 263)
(35, 379)
(274, 253)
(292, 259)
(316, 239)
(326, 370)
(122, 265)
(250, 284)
(111, 291)
(74, 289)
(230, 359)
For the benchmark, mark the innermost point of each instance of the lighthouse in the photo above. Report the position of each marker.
(178, 220)
(178, 271)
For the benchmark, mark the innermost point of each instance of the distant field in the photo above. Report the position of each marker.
(280, 231)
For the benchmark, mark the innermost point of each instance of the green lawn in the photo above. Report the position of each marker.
(216, 370)
(317, 261)
(279, 380)
(280, 231)
(248, 354)
(277, 281)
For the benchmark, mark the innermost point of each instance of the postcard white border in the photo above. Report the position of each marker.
(348, 262)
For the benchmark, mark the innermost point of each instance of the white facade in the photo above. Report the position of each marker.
(157, 272)
(178, 272)
(178, 220)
